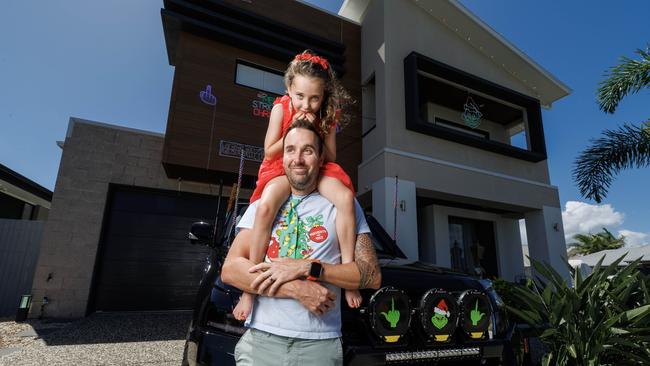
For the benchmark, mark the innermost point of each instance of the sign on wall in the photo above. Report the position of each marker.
(233, 150)
(262, 105)
(207, 97)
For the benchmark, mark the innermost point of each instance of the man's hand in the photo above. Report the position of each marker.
(276, 273)
(313, 296)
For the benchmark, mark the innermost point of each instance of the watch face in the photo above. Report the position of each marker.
(315, 270)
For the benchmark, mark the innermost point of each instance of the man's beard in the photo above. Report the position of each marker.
(300, 182)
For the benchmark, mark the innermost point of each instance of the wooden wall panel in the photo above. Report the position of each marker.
(295, 14)
(201, 61)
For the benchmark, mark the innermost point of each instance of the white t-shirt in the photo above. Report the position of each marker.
(315, 238)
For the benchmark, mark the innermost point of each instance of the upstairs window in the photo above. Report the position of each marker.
(443, 104)
(448, 103)
(259, 77)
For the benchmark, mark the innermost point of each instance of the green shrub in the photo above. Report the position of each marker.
(506, 291)
(603, 319)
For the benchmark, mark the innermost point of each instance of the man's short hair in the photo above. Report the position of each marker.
(303, 123)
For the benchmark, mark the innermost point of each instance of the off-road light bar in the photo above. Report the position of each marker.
(389, 312)
(432, 354)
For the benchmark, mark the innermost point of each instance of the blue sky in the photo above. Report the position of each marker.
(106, 61)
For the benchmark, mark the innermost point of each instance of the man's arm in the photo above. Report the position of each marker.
(364, 272)
(235, 268)
(235, 272)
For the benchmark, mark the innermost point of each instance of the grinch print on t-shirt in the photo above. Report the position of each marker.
(296, 236)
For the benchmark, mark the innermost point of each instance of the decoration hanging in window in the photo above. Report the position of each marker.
(471, 113)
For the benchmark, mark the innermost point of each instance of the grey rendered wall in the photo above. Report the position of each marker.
(409, 28)
(372, 38)
(94, 155)
(19, 246)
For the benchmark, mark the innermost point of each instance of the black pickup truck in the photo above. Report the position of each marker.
(422, 314)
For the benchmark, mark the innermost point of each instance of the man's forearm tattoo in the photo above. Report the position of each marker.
(366, 260)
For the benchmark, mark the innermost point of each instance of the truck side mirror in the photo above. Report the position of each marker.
(201, 233)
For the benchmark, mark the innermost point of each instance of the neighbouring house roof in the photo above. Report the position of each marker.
(612, 254)
(22, 188)
(546, 87)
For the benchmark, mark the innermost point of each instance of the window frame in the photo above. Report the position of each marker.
(260, 68)
(416, 62)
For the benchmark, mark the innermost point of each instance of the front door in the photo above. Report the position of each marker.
(473, 246)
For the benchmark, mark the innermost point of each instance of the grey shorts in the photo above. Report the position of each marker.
(258, 348)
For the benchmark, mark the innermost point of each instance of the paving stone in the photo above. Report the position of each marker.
(105, 339)
(27, 333)
(6, 351)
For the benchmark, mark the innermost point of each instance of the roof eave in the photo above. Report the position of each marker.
(546, 86)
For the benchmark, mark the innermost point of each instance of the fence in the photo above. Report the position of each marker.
(20, 242)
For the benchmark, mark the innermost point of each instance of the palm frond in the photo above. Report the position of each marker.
(628, 77)
(595, 168)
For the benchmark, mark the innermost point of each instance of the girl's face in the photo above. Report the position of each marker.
(306, 94)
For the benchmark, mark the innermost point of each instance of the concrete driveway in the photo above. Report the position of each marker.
(100, 339)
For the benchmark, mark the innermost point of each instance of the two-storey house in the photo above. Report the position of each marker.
(446, 147)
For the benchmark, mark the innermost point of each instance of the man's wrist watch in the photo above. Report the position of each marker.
(315, 270)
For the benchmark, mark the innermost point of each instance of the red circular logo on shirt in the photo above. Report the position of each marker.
(318, 234)
(274, 249)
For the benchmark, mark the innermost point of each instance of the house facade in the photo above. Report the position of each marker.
(462, 184)
(446, 148)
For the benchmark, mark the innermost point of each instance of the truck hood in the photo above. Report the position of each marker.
(415, 277)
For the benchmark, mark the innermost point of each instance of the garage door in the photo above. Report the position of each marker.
(145, 260)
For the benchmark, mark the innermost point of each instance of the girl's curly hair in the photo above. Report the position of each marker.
(337, 102)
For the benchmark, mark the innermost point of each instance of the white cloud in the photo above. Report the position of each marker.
(583, 218)
(634, 238)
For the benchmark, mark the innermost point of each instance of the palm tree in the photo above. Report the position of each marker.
(591, 243)
(623, 148)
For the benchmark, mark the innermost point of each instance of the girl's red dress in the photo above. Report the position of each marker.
(272, 168)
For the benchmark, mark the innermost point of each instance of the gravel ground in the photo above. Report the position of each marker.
(100, 339)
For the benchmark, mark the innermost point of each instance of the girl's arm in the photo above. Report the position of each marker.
(330, 145)
(273, 139)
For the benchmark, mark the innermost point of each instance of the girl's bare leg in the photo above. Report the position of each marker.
(275, 193)
(343, 198)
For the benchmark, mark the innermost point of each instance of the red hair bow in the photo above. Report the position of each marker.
(314, 59)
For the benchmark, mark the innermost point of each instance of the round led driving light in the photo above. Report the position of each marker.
(438, 314)
(389, 310)
(475, 313)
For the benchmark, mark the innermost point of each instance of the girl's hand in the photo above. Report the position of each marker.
(302, 115)
(310, 117)
(299, 115)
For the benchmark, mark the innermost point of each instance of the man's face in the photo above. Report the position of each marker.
(301, 160)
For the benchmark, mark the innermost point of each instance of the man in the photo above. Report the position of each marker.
(301, 323)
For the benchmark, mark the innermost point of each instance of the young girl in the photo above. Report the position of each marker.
(313, 93)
